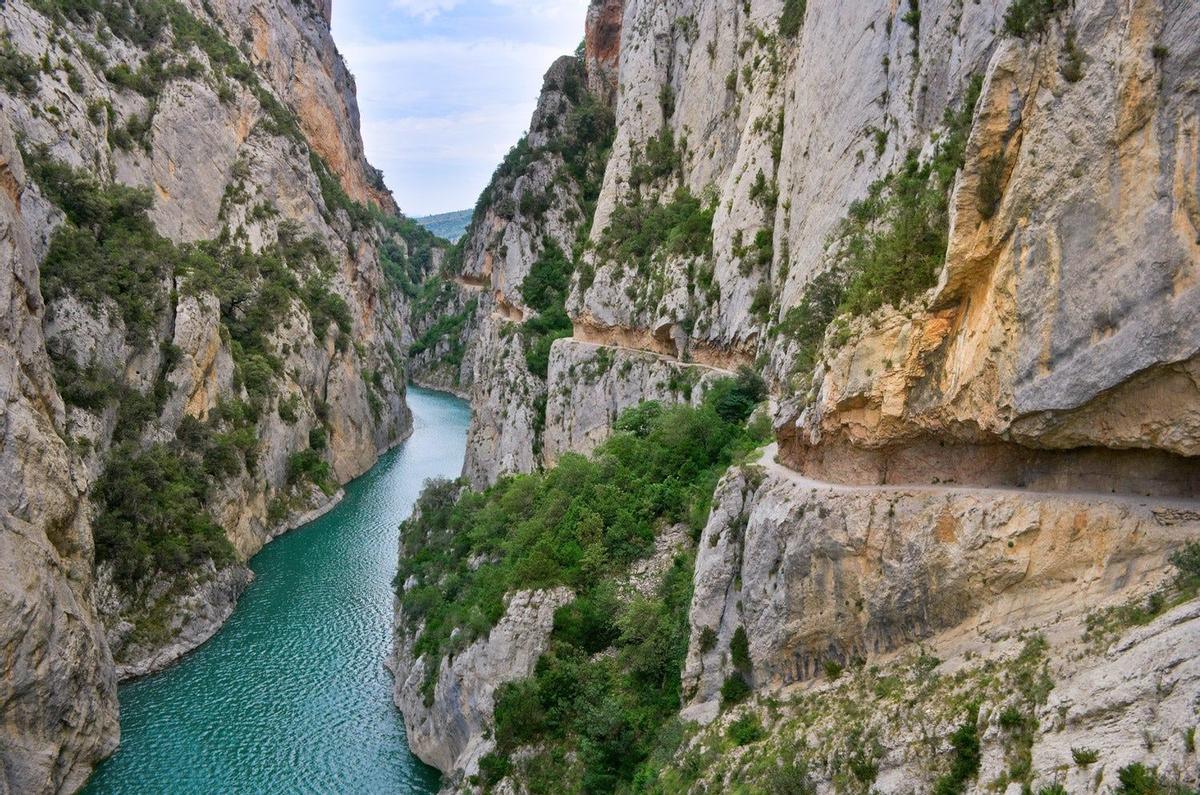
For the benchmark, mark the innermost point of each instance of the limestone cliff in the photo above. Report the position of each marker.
(960, 241)
(487, 328)
(207, 306)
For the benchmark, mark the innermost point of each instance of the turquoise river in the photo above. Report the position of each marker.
(291, 695)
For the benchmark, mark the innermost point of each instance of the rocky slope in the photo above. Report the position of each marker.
(961, 243)
(208, 297)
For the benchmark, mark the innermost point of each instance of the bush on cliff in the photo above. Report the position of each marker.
(892, 244)
(580, 524)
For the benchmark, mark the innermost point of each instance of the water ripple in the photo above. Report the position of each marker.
(291, 696)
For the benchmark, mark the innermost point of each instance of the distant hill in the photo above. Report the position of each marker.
(448, 225)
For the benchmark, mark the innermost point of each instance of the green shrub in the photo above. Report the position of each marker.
(792, 17)
(152, 511)
(643, 228)
(18, 72)
(734, 690)
(746, 729)
(108, 250)
(539, 333)
(1187, 566)
(1071, 67)
(790, 778)
(308, 465)
(545, 290)
(832, 669)
(1011, 718)
(964, 764)
(493, 768)
(549, 278)
(1085, 756)
(659, 159)
(1031, 17)
(739, 650)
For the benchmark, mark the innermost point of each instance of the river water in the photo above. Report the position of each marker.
(291, 695)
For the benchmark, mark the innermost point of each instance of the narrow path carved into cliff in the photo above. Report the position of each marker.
(663, 357)
(768, 460)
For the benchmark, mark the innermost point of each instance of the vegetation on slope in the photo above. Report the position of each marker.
(581, 525)
(892, 244)
(152, 500)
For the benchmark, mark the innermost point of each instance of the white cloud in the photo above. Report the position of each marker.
(441, 103)
(425, 9)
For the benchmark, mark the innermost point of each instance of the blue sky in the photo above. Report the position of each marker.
(445, 87)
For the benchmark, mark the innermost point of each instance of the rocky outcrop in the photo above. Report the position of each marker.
(823, 578)
(532, 209)
(1045, 709)
(1045, 328)
(590, 385)
(447, 724)
(185, 615)
(816, 572)
(237, 336)
(59, 689)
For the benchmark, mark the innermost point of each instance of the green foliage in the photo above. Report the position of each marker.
(832, 668)
(539, 333)
(1138, 779)
(152, 503)
(964, 764)
(892, 243)
(1105, 625)
(643, 228)
(448, 326)
(791, 778)
(746, 729)
(739, 650)
(1187, 566)
(1026, 18)
(307, 465)
(734, 690)
(545, 291)
(580, 524)
(1071, 67)
(108, 250)
(18, 72)
(735, 398)
(609, 711)
(792, 18)
(659, 159)
(549, 278)
(573, 525)
(1085, 756)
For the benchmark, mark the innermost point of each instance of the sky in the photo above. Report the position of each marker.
(445, 87)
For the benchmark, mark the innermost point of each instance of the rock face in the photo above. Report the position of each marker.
(59, 688)
(480, 332)
(1002, 446)
(590, 385)
(815, 573)
(256, 346)
(447, 729)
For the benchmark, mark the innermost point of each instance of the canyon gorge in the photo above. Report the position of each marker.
(833, 372)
